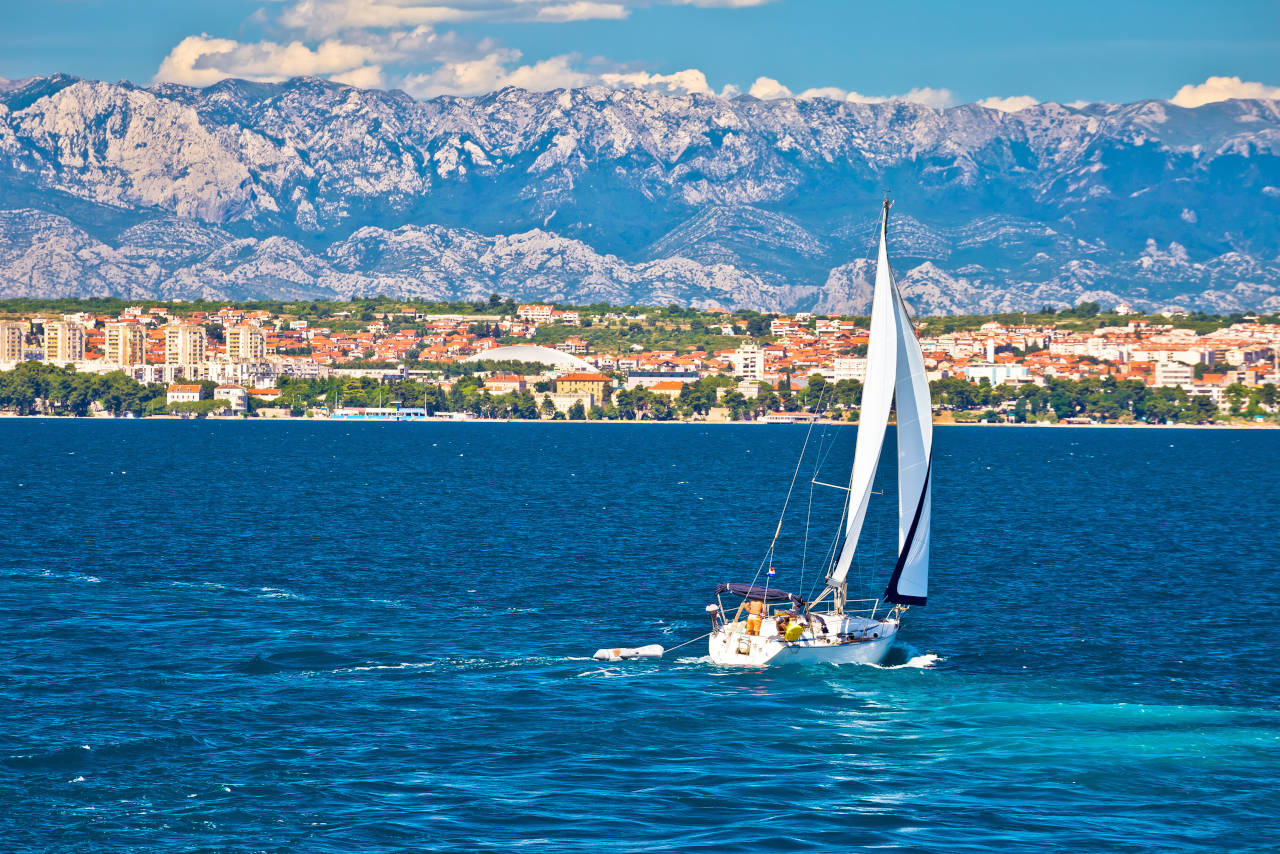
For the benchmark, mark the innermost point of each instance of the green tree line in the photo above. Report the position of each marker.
(1104, 399)
(35, 387)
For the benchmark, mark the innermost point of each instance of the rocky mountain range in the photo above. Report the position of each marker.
(310, 189)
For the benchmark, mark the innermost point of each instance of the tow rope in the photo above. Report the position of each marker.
(623, 653)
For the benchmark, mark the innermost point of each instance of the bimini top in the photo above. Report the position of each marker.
(752, 591)
(534, 354)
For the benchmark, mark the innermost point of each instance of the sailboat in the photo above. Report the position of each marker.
(771, 626)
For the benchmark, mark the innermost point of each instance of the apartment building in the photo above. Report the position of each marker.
(184, 344)
(1174, 374)
(126, 344)
(63, 342)
(598, 386)
(748, 361)
(13, 337)
(850, 369)
(246, 342)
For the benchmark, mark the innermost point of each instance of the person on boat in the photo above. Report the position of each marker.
(782, 622)
(755, 616)
(793, 631)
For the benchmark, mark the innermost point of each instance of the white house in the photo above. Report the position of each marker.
(234, 395)
(996, 374)
(183, 394)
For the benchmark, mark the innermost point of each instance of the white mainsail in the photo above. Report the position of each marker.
(877, 396)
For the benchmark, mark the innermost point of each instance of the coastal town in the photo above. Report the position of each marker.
(380, 359)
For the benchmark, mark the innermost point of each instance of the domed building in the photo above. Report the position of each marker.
(533, 354)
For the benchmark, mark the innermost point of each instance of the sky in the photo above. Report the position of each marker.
(1004, 54)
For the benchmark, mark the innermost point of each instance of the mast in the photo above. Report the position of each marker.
(873, 418)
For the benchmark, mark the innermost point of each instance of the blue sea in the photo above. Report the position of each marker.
(335, 637)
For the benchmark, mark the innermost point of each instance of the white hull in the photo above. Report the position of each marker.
(730, 645)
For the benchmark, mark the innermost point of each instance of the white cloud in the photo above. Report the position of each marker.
(689, 81)
(201, 61)
(180, 65)
(455, 67)
(490, 73)
(926, 95)
(317, 18)
(768, 89)
(582, 11)
(1222, 89)
(458, 78)
(831, 92)
(553, 73)
(1012, 104)
(383, 43)
(365, 77)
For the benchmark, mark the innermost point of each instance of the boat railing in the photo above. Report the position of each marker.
(851, 607)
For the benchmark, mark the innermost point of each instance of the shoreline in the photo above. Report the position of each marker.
(646, 421)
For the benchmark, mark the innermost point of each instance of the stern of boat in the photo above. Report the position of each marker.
(851, 641)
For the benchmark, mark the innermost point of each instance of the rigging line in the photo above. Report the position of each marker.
(830, 556)
(786, 503)
(823, 456)
(820, 455)
(828, 559)
(804, 554)
(808, 516)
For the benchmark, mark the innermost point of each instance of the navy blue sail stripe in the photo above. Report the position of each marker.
(891, 593)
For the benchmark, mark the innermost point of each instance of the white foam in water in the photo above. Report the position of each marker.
(65, 576)
(605, 673)
(278, 593)
(916, 660)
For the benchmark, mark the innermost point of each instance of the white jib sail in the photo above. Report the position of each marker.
(909, 584)
(873, 418)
